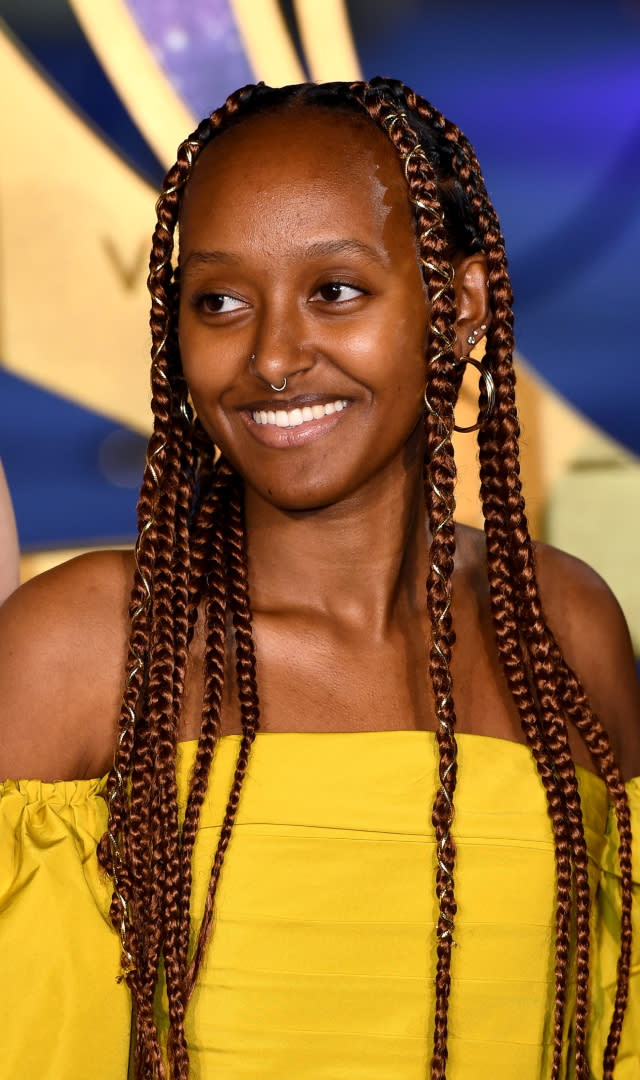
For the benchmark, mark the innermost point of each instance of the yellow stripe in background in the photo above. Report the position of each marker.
(327, 40)
(76, 229)
(266, 42)
(158, 111)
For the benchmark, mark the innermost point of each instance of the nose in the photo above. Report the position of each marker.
(280, 347)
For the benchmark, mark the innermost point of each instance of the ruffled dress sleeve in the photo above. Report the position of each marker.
(62, 1013)
(607, 947)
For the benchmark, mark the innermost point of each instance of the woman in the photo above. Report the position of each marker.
(359, 890)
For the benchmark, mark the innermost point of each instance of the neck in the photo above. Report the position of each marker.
(358, 562)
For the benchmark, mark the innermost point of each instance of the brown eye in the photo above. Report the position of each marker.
(338, 292)
(218, 303)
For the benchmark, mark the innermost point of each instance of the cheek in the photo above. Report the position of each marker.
(394, 351)
(202, 371)
(396, 328)
(203, 361)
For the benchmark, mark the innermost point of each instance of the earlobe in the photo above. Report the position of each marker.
(472, 302)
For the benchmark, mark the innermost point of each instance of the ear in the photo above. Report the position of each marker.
(472, 300)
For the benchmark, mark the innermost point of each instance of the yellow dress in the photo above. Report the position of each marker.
(321, 962)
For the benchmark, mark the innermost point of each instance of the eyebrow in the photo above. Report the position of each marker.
(317, 250)
(343, 247)
(206, 258)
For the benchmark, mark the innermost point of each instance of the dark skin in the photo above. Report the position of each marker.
(303, 265)
(8, 541)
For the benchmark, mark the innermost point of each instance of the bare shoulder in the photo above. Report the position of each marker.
(63, 642)
(591, 630)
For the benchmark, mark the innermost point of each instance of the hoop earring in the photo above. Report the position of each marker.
(490, 390)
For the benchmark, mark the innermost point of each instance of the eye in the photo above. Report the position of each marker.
(218, 303)
(338, 292)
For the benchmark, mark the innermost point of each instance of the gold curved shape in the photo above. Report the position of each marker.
(266, 41)
(160, 114)
(327, 40)
(490, 390)
(85, 335)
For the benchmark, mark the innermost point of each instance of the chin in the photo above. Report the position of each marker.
(301, 499)
(303, 503)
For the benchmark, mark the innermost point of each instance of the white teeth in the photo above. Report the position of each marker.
(282, 418)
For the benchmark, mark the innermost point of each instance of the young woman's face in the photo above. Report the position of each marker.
(298, 262)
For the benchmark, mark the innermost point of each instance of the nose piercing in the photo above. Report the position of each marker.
(277, 389)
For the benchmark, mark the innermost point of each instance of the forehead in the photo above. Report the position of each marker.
(296, 164)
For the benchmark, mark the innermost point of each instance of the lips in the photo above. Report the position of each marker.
(295, 422)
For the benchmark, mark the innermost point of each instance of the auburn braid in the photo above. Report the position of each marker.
(498, 460)
(216, 607)
(238, 600)
(575, 706)
(214, 651)
(153, 768)
(203, 520)
(440, 396)
(152, 771)
(556, 734)
(167, 670)
(510, 651)
(579, 713)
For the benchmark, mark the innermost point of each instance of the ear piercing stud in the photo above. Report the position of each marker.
(473, 338)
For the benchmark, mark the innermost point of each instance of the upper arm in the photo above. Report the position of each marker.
(8, 542)
(63, 640)
(591, 631)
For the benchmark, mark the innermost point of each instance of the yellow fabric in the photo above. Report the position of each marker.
(62, 1014)
(322, 957)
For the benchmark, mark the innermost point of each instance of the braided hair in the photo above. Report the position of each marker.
(191, 558)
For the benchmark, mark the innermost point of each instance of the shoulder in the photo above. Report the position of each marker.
(591, 630)
(63, 642)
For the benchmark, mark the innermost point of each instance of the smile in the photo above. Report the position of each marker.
(288, 418)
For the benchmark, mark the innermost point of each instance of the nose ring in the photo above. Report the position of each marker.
(277, 389)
